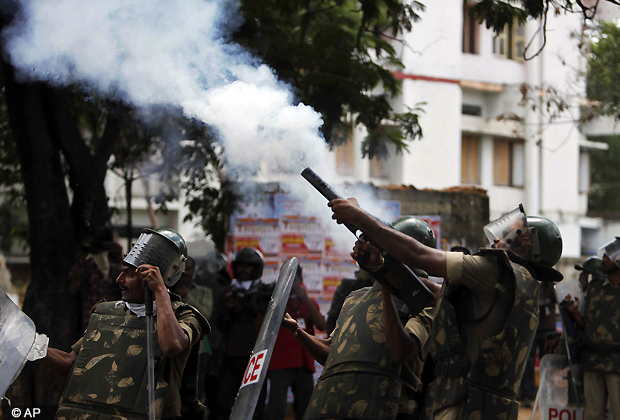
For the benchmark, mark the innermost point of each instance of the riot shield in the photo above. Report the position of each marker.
(255, 373)
(573, 288)
(17, 336)
(554, 390)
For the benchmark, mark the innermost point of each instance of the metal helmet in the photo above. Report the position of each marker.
(417, 228)
(546, 241)
(164, 248)
(611, 249)
(591, 265)
(249, 256)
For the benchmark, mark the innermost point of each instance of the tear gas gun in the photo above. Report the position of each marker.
(411, 289)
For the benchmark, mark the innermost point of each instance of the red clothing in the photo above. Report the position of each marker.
(287, 352)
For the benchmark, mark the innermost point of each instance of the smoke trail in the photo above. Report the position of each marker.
(159, 53)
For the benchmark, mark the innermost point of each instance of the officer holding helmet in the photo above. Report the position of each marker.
(108, 366)
(240, 322)
(600, 352)
(487, 310)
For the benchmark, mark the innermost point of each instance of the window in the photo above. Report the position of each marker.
(511, 42)
(474, 110)
(508, 162)
(378, 167)
(345, 153)
(470, 30)
(584, 172)
(470, 153)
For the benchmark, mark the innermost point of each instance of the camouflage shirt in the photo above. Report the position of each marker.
(109, 374)
(360, 380)
(483, 378)
(601, 350)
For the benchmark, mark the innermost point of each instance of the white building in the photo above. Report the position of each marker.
(468, 76)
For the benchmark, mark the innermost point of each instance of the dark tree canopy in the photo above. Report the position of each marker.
(334, 54)
(603, 72)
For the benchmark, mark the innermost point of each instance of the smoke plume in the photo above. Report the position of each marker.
(161, 53)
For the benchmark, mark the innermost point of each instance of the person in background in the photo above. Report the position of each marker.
(600, 352)
(240, 321)
(93, 275)
(291, 365)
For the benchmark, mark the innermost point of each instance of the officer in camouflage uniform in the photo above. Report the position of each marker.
(487, 311)
(108, 365)
(374, 357)
(600, 353)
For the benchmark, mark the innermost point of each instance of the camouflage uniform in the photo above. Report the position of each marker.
(600, 358)
(109, 376)
(360, 379)
(479, 365)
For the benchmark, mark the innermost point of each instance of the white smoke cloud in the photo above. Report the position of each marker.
(154, 53)
(161, 53)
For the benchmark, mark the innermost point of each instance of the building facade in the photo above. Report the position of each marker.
(479, 131)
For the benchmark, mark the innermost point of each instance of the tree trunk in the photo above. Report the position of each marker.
(53, 243)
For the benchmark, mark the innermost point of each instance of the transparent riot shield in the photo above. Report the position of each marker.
(17, 336)
(255, 373)
(553, 392)
(573, 288)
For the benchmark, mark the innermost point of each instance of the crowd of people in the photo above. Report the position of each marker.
(468, 353)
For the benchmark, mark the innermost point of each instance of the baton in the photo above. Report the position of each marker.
(150, 353)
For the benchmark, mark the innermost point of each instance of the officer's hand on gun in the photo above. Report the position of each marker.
(345, 211)
(572, 306)
(361, 247)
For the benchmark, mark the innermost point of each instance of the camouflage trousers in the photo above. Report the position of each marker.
(598, 388)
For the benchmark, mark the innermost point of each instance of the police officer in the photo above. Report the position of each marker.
(109, 363)
(600, 354)
(240, 322)
(488, 308)
(374, 357)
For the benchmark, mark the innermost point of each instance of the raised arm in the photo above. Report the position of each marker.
(172, 339)
(317, 347)
(400, 246)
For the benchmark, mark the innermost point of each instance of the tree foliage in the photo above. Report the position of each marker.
(339, 57)
(603, 72)
(605, 176)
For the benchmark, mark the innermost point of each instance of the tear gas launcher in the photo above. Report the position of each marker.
(411, 290)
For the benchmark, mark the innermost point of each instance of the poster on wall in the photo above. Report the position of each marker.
(267, 243)
(279, 229)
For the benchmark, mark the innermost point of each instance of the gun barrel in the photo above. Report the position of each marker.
(321, 186)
